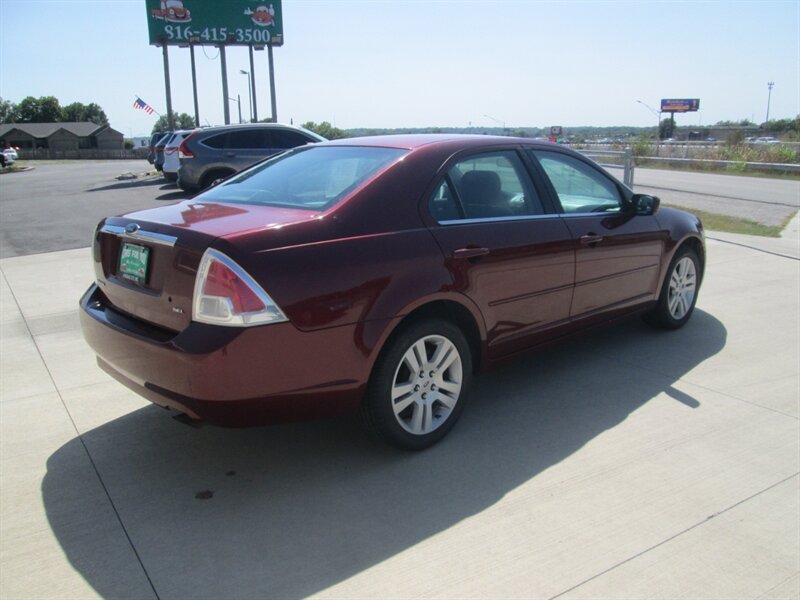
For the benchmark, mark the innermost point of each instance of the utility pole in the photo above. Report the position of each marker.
(769, 97)
(226, 111)
(249, 91)
(273, 101)
(253, 101)
(194, 88)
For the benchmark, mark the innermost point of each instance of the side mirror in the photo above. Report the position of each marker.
(644, 204)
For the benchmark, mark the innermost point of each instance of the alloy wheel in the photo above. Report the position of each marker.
(682, 287)
(427, 384)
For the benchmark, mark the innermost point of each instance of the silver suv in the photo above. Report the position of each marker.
(214, 153)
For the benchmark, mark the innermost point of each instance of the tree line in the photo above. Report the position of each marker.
(47, 109)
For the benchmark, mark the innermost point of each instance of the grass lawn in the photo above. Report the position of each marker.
(717, 222)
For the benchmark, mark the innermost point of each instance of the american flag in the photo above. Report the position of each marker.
(142, 105)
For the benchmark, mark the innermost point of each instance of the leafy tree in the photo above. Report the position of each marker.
(325, 129)
(735, 138)
(39, 110)
(739, 123)
(666, 130)
(8, 111)
(182, 121)
(79, 112)
(783, 125)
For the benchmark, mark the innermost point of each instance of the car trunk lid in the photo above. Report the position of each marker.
(146, 262)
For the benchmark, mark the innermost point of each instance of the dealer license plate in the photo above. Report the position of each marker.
(133, 262)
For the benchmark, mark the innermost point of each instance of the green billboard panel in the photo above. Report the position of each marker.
(215, 22)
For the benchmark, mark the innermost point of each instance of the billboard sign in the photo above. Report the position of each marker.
(213, 22)
(680, 105)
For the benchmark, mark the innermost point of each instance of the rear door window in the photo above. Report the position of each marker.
(218, 141)
(250, 139)
(486, 186)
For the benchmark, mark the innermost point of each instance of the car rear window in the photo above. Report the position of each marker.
(314, 178)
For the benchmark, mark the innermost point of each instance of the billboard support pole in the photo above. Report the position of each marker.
(170, 116)
(194, 89)
(253, 86)
(223, 64)
(272, 84)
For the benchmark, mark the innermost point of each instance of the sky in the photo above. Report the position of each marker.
(404, 63)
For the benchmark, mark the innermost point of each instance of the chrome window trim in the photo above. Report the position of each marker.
(498, 219)
(141, 235)
(593, 214)
(562, 215)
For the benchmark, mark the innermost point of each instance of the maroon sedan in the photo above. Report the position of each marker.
(377, 275)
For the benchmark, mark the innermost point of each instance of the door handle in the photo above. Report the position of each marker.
(590, 239)
(229, 154)
(470, 252)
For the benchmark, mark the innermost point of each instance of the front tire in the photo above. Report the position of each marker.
(679, 291)
(418, 386)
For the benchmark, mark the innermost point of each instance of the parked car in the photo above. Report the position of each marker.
(767, 140)
(377, 275)
(158, 161)
(171, 161)
(151, 148)
(11, 153)
(217, 152)
(8, 157)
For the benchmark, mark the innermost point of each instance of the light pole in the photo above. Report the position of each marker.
(656, 113)
(249, 91)
(238, 101)
(503, 123)
(769, 97)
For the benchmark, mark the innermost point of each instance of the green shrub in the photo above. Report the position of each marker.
(641, 147)
(781, 154)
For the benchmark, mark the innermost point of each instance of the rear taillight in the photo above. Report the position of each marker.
(183, 149)
(224, 294)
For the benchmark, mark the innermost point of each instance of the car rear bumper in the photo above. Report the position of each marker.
(230, 376)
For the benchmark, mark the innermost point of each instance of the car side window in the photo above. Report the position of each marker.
(484, 187)
(216, 141)
(249, 138)
(443, 204)
(580, 188)
(288, 139)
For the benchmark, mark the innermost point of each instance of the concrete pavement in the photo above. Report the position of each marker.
(760, 199)
(631, 464)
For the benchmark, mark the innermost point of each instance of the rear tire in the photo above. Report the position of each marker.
(418, 386)
(211, 177)
(678, 292)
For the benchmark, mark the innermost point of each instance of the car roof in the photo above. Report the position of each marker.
(237, 126)
(418, 140)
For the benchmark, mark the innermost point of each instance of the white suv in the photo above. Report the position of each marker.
(171, 162)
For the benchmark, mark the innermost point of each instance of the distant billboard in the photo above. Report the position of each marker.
(680, 104)
(213, 22)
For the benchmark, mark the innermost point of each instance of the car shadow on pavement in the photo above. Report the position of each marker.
(174, 195)
(290, 510)
(130, 183)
